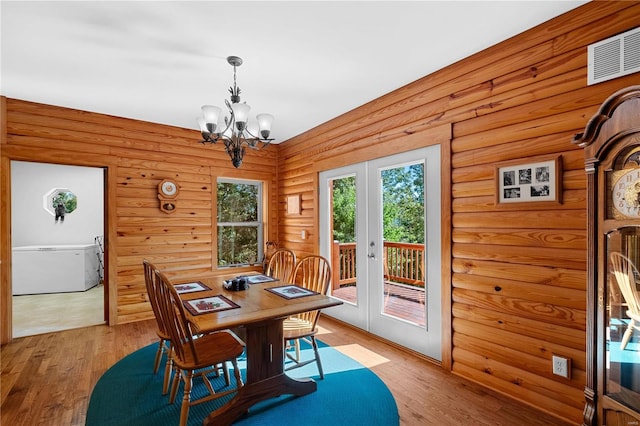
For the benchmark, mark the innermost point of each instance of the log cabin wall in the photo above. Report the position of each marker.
(136, 156)
(516, 275)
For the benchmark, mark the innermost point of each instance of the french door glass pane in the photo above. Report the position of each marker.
(403, 222)
(343, 201)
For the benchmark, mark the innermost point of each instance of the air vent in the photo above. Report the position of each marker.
(614, 57)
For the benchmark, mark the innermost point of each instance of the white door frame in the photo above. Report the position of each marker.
(365, 313)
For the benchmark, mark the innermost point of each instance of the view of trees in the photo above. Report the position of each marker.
(238, 223)
(67, 199)
(403, 204)
(344, 209)
(402, 209)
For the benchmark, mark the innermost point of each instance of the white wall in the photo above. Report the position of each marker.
(31, 224)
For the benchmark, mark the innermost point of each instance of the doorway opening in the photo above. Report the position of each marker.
(57, 234)
(380, 226)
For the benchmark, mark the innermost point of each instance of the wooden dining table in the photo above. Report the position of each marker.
(261, 313)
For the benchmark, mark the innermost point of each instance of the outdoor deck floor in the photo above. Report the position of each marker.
(399, 301)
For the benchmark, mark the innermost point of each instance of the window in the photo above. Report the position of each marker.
(239, 221)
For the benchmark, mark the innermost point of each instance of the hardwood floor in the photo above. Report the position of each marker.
(46, 313)
(47, 379)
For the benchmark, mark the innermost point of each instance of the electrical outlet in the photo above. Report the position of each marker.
(561, 366)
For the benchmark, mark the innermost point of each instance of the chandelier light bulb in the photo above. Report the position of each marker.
(264, 122)
(241, 113)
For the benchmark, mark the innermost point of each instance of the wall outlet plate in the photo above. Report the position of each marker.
(561, 366)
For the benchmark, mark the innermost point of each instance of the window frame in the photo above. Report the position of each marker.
(259, 223)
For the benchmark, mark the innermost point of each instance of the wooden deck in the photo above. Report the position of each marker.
(400, 301)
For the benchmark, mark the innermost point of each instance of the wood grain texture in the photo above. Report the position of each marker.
(137, 156)
(48, 379)
(517, 267)
(525, 97)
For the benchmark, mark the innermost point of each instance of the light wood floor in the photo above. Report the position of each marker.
(47, 379)
(45, 313)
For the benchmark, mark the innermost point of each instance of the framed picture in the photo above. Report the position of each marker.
(539, 180)
(294, 204)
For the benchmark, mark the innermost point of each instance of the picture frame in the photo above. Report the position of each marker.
(294, 204)
(538, 180)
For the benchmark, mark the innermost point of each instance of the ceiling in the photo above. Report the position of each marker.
(304, 62)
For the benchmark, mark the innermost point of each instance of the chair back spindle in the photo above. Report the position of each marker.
(281, 265)
(313, 273)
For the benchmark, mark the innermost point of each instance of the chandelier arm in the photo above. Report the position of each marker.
(229, 123)
(257, 138)
(255, 145)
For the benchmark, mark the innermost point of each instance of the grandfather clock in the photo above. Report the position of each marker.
(611, 142)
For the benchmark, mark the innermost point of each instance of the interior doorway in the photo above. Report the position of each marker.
(380, 225)
(57, 232)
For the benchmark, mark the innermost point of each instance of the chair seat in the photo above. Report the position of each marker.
(213, 348)
(296, 328)
(162, 335)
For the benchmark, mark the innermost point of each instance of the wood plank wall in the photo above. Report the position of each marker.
(517, 287)
(136, 156)
(514, 278)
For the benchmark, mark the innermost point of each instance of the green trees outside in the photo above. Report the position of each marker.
(238, 223)
(402, 209)
(67, 199)
(403, 204)
(344, 209)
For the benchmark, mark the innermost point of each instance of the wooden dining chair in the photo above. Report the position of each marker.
(164, 346)
(313, 273)
(626, 275)
(194, 355)
(281, 265)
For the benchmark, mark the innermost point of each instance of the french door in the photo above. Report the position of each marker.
(380, 226)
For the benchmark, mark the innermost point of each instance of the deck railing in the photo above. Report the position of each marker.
(403, 263)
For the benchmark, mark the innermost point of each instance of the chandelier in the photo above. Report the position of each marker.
(236, 134)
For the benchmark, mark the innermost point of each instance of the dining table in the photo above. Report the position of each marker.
(260, 310)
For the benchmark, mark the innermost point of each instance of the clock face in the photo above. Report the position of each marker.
(169, 188)
(625, 193)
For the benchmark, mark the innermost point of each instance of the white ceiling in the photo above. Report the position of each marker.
(304, 62)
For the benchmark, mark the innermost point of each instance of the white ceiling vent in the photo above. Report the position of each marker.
(614, 57)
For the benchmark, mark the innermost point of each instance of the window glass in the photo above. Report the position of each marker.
(239, 219)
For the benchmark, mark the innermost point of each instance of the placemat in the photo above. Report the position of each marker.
(209, 305)
(191, 287)
(291, 291)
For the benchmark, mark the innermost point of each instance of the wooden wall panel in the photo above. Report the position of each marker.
(138, 156)
(514, 276)
(517, 273)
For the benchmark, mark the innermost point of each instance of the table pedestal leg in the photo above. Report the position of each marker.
(265, 374)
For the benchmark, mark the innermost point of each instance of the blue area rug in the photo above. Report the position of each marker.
(129, 394)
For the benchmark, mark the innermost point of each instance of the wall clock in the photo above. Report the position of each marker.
(625, 193)
(168, 191)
